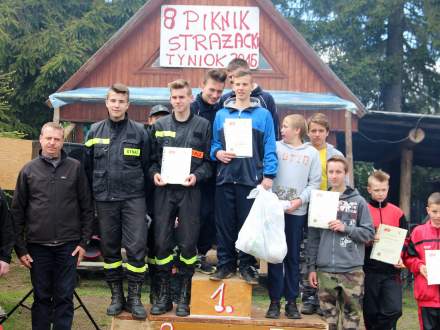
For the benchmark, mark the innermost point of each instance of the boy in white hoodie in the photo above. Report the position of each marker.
(298, 173)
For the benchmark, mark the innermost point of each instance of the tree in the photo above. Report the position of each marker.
(43, 42)
(386, 51)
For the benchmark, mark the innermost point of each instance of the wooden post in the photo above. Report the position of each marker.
(405, 181)
(56, 115)
(349, 147)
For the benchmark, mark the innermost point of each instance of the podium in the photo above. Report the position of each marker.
(218, 305)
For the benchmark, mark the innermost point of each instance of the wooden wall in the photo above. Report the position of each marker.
(130, 62)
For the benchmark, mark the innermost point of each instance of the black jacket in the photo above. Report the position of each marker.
(6, 230)
(194, 133)
(266, 101)
(117, 159)
(52, 204)
(203, 109)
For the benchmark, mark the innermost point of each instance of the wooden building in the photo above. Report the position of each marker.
(131, 57)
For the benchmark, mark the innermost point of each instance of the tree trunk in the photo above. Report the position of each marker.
(392, 90)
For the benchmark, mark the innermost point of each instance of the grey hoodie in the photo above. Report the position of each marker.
(299, 171)
(337, 252)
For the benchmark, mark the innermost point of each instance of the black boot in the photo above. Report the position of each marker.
(182, 308)
(154, 286)
(274, 310)
(292, 310)
(134, 303)
(118, 299)
(163, 303)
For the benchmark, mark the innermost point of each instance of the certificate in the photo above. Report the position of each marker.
(176, 164)
(389, 246)
(323, 208)
(238, 136)
(432, 258)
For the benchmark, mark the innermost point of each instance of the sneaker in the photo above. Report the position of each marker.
(274, 310)
(203, 266)
(249, 274)
(292, 311)
(308, 308)
(222, 273)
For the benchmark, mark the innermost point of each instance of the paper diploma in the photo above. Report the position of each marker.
(238, 136)
(176, 164)
(432, 258)
(389, 246)
(323, 208)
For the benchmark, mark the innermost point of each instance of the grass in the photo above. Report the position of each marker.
(96, 296)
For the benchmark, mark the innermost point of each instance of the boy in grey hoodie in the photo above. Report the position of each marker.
(335, 256)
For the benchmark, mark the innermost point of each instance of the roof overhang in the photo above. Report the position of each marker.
(149, 96)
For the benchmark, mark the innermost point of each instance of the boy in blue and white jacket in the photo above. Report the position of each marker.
(236, 177)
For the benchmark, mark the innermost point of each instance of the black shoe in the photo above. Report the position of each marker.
(249, 274)
(292, 311)
(118, 300)
(163, 303)
(203, 266)
(319, 311)
(222, 273)
(134, 304)
(274, 310)
(182, 308)
(308, 308)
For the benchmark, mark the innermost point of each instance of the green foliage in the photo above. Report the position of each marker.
(352, 35)
(45, 41)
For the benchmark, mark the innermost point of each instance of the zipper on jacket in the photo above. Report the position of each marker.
(380, 212)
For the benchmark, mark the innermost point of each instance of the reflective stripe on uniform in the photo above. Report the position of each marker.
(136, 152)
(189, 261)
(136, 269)
(165, 134)
(94, 141)
(113, 265)
(151, 261)
(161, 262)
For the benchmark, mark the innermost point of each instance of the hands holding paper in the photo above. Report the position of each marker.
(424, 271)
(294, 204)
(224, 156)
(336, 225)
(158, 180)
(189, 181)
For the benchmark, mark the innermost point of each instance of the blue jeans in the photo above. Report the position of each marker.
(283, 278)
(53, 276)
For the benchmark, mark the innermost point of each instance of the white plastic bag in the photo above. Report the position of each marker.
(262, 234)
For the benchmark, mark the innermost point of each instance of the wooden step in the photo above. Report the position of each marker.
(228, 298)
(257, 321)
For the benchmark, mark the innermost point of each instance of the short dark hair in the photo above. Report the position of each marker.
(120, 89)
(237, 63)
(217, 75)
(180, 84)
(338, 159)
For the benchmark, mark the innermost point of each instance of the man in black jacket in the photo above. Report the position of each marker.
(117, 154)
(6, 235)
(180, 130)
(206, 105)
(52, 213)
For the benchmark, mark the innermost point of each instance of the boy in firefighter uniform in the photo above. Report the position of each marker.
(181, 129)
(117, 165)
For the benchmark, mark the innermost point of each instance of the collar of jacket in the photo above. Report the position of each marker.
(205, 105)
(63, 156)
(182, 122)
(377, 205)
(118, 124)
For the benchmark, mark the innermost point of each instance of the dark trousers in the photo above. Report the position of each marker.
(382, 305)
(429, 318)
(283, 279)
(231, 209)
(207, 219)
(171, 203)
(123, 223)
(53, 276)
